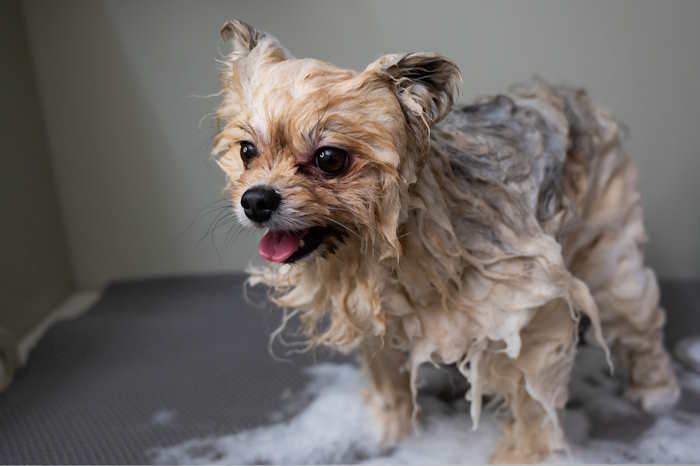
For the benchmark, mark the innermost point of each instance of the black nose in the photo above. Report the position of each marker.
(259, 203)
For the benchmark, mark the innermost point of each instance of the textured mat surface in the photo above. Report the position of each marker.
(158, 362)
(152, 364)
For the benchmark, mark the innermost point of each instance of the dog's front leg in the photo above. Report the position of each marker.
(389, 391)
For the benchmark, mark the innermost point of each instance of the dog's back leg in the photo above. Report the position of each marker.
(625, 290)
(534, 386)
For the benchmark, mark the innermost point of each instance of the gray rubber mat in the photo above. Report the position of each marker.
(152, 364)
(158, 362)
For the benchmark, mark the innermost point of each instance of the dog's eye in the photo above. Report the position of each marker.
(331, 160)
(248, 151)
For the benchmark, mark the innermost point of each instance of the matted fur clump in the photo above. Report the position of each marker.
(411, 232)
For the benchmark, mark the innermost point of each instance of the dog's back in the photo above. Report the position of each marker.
(540, 143)
(547, 159)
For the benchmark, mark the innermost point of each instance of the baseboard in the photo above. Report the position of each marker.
(72, 307)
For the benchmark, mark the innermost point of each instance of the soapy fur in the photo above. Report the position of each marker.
(474, 236)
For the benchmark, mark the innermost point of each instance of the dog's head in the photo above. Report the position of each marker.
(319, 155)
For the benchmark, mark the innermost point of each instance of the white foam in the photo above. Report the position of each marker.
(337, 427)
(163, 417)
(694, 350)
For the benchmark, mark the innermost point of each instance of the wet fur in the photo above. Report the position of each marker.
(475, 236)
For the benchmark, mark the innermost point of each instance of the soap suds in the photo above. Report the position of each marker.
(163, 417)
(694, 350)
(337, 427)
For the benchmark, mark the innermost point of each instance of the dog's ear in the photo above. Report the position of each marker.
(426, 85)
(245, 40)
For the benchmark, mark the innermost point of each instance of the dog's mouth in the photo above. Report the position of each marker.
(290, 246)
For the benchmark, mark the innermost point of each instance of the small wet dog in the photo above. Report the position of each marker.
(408, 231)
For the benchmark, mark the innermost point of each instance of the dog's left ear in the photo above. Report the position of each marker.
(426, 85)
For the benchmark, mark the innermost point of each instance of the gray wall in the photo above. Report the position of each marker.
(35, 273)
(117, 81)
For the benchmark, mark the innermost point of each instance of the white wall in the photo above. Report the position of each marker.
(35, 272)
(132, 164)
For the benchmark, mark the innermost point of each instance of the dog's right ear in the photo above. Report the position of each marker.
(245, 40)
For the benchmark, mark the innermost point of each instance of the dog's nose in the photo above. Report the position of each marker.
(259, 203)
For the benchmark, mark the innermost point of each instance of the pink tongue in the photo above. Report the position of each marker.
(278, 246)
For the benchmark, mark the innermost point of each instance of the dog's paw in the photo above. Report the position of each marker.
(395, 422)
(509, 454)
(655, 399)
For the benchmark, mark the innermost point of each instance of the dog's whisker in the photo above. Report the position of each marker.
(345, 227)
(214, 206)
(238, 230)
(222, 217)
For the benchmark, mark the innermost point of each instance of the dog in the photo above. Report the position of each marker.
(408, 232)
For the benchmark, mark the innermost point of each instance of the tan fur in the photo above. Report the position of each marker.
(475, 238)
